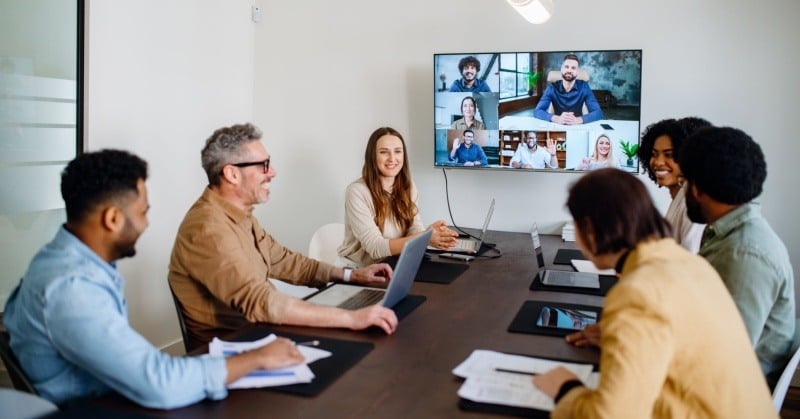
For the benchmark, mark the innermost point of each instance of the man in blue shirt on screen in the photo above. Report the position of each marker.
(469, 67)
(468, 153)
(725, 171)
(568, 96)
(67, 319)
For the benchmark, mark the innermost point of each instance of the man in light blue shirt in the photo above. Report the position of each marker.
(468, 153)
(67, 318)
(725, 170)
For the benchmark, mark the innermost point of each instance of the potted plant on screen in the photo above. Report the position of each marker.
(629, 150)
(532, 78)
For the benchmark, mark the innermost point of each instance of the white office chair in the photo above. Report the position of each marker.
(322, 247)
(325, 241)
(779, 393)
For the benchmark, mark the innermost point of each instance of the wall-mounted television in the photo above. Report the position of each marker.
(550, 110)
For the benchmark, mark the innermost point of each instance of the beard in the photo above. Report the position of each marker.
(568, 76)
(693, 210)
(126, 246)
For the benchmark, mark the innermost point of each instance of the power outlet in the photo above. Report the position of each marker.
(255, 13)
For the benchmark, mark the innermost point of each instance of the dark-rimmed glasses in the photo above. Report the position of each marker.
(264, 163)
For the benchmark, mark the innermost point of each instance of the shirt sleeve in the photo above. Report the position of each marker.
(637, 347)
(89, 329)
(360, 215)
(482, 156)
(544, 103)
(417, 225)
(592, 106)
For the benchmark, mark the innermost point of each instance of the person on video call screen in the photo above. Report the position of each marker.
(568, 96)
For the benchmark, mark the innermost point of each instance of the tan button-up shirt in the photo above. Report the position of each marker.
(219, 268)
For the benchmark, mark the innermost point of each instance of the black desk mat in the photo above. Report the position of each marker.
(564, 256)
(435, 272)
(525, 320)
(345, 354)
(606, 282)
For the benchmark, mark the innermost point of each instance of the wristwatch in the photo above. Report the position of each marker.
(346, 275)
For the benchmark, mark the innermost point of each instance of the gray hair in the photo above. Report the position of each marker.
(224, 147)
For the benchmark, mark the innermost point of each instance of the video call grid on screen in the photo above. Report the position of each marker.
(511, 87)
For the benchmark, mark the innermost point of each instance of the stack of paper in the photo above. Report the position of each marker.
(268, 378)
(568, 232)
(498, 378)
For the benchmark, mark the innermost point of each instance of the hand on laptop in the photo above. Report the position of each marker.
(376, 315)
(376, 274)
(443, 237)
(589, 336)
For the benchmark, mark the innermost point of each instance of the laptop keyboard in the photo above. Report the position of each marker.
(466, 244)
(560, 278)
(363, 298)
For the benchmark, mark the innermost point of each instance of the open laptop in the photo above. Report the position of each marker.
(470, 245)
(560, 278)
(353, 297)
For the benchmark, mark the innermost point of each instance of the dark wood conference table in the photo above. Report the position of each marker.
(409, 374)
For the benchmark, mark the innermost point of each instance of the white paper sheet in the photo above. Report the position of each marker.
(487, 385)
(268, 378)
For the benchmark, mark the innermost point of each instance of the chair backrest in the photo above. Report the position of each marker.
(782, 386)
(325, 241)
(18, 377)
(188, 343)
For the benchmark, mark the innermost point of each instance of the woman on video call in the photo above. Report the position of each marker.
(602, 157)
(380, 208)
(468, 109)
(672, 342)
(661, 143)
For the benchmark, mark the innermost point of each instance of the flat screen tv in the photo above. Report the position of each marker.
(561, 111)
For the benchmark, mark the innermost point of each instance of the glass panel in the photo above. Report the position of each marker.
(508, 62)
(38, 125)
(508, 84)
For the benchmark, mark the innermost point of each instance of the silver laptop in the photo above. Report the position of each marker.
(353, 297)
(560, 278)
(471, 245)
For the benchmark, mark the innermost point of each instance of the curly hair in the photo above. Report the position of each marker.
(469, 60)
(725, 163)
(616, 207)
(225, 146)
(668, 127)
(95, 178)
(398, 203)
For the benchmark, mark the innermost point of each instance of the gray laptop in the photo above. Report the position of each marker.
(560, 278)
(353, 297)
(470, 245)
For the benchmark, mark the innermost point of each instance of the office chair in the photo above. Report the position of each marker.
(188, 343)
(782, 386)
(18, 377)
(325, 241)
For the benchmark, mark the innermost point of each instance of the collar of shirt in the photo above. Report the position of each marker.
(731, 220)
(65, 239)
(232, 211)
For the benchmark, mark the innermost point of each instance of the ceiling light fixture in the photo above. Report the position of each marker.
(534, 11)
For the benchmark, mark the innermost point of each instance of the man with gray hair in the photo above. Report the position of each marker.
(222, 257)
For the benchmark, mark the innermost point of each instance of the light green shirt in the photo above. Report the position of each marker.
(754, 265)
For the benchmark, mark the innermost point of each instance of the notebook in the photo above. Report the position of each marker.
(560, 278)
(471, 245)
(353, 297)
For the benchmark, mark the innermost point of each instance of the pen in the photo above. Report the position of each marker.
(515, 371)
(308, 343)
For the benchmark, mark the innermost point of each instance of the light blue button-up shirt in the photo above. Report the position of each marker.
(69, 328)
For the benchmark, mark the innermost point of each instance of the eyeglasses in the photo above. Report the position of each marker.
(264, 163)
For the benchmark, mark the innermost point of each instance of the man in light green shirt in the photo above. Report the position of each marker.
(725, 170)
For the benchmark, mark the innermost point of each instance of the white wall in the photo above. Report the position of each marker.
(331, 72)
(163, 75)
